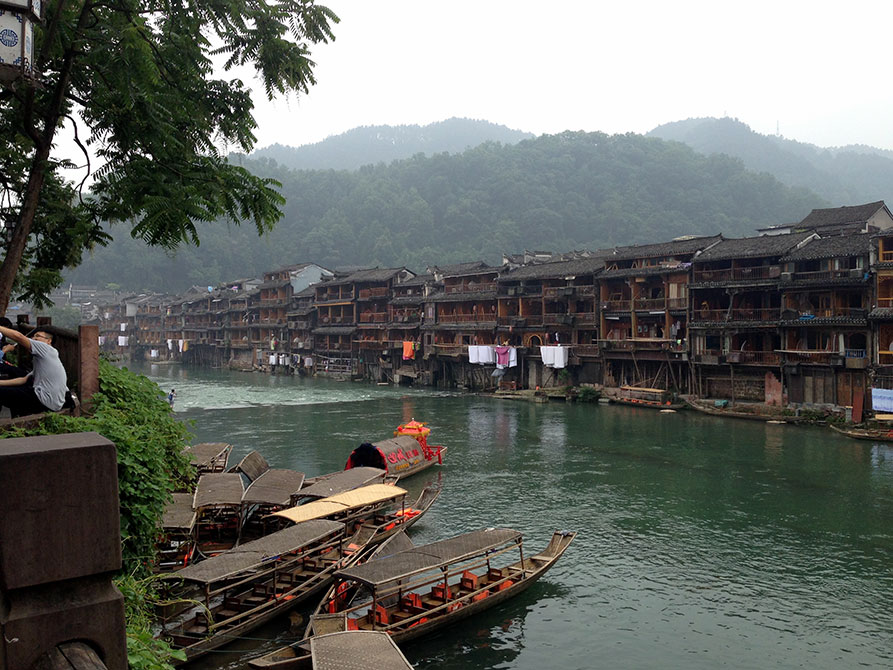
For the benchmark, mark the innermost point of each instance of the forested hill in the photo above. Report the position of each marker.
(369, 145)
(556, 192)
(843, 175)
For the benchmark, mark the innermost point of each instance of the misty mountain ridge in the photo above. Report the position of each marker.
(370, 145)
(573, 190)
(845, 175)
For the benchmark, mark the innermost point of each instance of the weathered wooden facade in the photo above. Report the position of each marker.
(801, 314)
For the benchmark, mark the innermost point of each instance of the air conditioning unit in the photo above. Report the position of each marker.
(787, 276)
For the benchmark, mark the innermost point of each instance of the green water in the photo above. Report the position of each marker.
(702, 542)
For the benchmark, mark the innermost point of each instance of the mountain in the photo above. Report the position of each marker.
(560, 192)
(369, 145)
(843, 176)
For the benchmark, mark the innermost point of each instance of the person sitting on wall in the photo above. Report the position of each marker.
(44, 389)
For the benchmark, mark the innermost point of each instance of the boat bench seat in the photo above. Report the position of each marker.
(225, 613)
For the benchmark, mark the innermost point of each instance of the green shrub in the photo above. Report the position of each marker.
(587, 394)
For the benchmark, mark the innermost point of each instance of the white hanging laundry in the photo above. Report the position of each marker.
(473, 354)
(308, 362)
(272, 359)
(101, 340)
(123, 327)
(548, 356)
(513, 357)
(153, 353)
(179, 345)
(170, 345)
(122, 340)
(561, 356)
(283, 359)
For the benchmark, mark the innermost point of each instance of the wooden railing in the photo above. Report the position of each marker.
(374, 317)
(471, 288)
(616, 305)
(377, 292)
(758, 273)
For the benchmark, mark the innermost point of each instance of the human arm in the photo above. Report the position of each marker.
(15, 381)
(16, 337)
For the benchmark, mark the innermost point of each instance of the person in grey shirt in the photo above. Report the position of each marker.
(44, 389)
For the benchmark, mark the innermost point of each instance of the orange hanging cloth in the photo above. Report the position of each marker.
(408, 351)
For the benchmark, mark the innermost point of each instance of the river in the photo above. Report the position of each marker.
(702, 542)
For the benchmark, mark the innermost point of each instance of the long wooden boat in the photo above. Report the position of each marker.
(270, 492)
(367, 505)
(338, 482)
(241, 589)
(413, 592)
(250, 584)
(747, 416)
(639, 396)
(218, 511)
(872, 434)
(354, 649)
(176, 545)
(407, 453)
(209, 457)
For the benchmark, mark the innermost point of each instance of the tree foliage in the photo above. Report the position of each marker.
(136, 81)
(556, 193)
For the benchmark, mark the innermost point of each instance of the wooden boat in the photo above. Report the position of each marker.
(639, 396)
(355, 649)
(243, 588)
(406, 454)
(209, 457)
(872, 434)
(412, 592)
(176, 545)
(270, 492)
(366, 505)
(250, 584)
(338, 482)
(218, 511)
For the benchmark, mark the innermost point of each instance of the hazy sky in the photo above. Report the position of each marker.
(817, 71)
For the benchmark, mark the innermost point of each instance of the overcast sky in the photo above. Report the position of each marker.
(819, 72)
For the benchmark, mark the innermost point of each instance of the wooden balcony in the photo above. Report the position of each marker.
(616, 305)
(756, 273)
(377, 292)
(450, 349)
(471, 288)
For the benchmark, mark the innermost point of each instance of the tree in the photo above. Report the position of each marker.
(135, 79)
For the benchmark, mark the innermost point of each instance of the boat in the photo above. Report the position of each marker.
(270, 492)
(355, 649)
(366, 506)
(226, 596)
(640, 396)
(209, 457)
(175, 547)
(872, 434)
(339, 482)
(413, 592)
(250, 584)
(218, 511)
(402, 456)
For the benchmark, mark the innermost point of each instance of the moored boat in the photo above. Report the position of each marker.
(209, 457)
(412, 592)
(355, 649)
(639, 396)
(871, 434)
(402, 456)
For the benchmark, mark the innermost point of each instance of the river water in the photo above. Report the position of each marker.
(702, 542)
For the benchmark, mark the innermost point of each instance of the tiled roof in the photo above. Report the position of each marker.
(581, 266)
(644, 272)
(832, 247)
(369, 275)
(840, 215)
(754, 247)
(673, 248)
(460, 269)
(418, 280)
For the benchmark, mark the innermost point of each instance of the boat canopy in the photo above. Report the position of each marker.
(339, 482)
(204, 453)
(253, 555)
(178, 514)
(400, 453)
(356, 648)
(343, 502)
(252, 466)
(274, 487)
(220, 488)
(430, 556)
